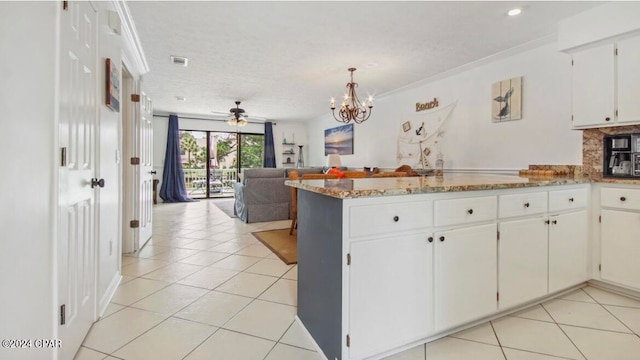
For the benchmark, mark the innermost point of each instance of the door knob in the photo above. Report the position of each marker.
(95, 182)
(570, 199)
(526, 205)
(153, 172)
(622, 198)
(607, 119)
(470, 211)
(441, 238)
(430, 239)
(396, 218)
(554, 222)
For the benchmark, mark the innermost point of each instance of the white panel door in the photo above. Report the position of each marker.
(77, 228)
(146, 169)
(568, 250)
(390, 293)
(593, 86)
(620, 247)
(465, 275)
(522, 261)
(629, 80)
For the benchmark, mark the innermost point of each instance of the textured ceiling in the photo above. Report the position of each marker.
(284, 60)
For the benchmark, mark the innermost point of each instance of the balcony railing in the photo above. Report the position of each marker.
(220, 181)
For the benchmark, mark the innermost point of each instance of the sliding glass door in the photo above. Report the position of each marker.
(212, 160)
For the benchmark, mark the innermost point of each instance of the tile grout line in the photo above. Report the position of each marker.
(497, 339)
(561, 329)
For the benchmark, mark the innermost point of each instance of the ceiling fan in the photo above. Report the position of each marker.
(237, 116)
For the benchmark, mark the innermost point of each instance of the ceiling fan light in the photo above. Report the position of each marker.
(242, 122)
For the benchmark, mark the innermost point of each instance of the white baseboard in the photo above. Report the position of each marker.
(108, 295)
(615, 289)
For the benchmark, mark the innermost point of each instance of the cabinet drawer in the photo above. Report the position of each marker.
(389, 218)
(467, 210)
(567, 199)
(522, 204)
(620, 198)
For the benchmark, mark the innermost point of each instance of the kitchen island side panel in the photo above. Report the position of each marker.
(320, 269)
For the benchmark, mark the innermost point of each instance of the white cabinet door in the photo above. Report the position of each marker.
(522, 261)
(629, 80)
(390, 293)
(465, 274)
(620, 252)
(593, 86)
(568, 242)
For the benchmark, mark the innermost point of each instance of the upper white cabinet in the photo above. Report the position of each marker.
(606, 84)
(593, 86)
(629, 80)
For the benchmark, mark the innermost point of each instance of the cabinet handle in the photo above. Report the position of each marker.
(546, 222)
(470, 211)
(526, 205)
(607, 119)
(622, 198)
(554, 222)
(396, 218)
(441, 238)
(430, 239)
(570, 199)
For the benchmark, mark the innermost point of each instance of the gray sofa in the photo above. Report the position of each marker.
(263, 196)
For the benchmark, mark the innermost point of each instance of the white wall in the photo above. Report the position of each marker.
(109, 197)
(472, 141)
(28, 187)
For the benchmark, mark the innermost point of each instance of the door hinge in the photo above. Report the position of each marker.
(135, 161)
(571, 62)
(63, 320)
(616, 112)
(498, 235)
(348, 341)
(65, 5)
(600, 218)
(615, 52)
(571, 117)
(348, 259)
(498, 296)
(135, 98)
(599, 267)
(63, 156)
(134, 224)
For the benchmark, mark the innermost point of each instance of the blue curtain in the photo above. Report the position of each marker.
(269, 149)
(173, 188)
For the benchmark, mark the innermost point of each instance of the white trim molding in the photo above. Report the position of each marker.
(132, 48)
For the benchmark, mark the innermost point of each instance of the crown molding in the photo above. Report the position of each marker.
(132, 47)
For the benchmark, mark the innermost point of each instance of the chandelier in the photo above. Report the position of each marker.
(237, 117)
(352, 108)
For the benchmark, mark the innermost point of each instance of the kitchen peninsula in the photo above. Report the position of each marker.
(385, 264)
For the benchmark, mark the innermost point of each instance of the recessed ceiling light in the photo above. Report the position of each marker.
(179, 60)
(514, 12)
(181, 98)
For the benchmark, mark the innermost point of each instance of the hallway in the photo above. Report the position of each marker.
(205, 288)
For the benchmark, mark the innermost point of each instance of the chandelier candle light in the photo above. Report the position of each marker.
(352, 108)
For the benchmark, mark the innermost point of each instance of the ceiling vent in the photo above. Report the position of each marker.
(179, 60)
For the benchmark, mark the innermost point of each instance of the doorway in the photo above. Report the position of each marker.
(214, 160)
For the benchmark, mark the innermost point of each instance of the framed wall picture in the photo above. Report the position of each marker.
(406, 126)
(507, 100)
(339, 140)
(113, 86)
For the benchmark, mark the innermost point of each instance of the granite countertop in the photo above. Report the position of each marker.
(367, 187)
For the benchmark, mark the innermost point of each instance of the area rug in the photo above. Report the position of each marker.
(281, 243)
(226, 205)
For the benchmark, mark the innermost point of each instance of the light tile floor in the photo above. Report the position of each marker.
(205, 288)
